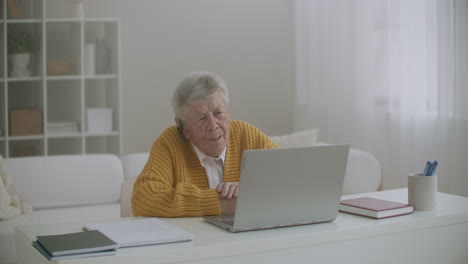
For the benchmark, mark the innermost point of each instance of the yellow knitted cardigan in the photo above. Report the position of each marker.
(173, 183)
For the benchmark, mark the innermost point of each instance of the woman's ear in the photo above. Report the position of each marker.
(178, 122)
(180, 126)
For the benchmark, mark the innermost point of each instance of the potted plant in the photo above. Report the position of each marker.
(21, 45)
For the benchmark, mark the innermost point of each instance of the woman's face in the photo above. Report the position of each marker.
(206, 125)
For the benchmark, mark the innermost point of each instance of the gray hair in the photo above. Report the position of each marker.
(195, 87)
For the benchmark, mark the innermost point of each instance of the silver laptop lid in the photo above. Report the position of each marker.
(283, 187)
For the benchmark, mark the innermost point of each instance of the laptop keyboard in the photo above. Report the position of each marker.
(229, 222)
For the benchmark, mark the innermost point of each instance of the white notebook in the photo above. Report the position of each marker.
(139, 232)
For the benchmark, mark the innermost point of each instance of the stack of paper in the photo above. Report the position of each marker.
(75, 245)
(62, 127)
(138, 232)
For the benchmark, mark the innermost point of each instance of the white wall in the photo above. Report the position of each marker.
(248, 42)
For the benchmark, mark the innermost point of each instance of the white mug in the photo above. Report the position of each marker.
(422, 191)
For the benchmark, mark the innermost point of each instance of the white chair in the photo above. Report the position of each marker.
(363, 173)
(132, 166)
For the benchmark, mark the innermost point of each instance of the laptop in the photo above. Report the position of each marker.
(287, 187)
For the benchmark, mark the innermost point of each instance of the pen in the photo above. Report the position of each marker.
(426, 169)
(433, 168)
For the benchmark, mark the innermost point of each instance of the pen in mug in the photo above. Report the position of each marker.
(433, 168)
(426, 169)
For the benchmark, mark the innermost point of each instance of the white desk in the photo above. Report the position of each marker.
(438, 236)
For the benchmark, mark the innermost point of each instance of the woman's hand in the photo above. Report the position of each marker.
(227, 194)
(228, 190)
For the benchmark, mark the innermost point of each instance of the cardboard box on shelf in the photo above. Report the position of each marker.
(26, 122)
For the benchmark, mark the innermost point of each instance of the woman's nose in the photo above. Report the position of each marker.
(212, 124)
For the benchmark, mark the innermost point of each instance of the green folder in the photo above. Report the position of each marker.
(76, 243)
(72, 256)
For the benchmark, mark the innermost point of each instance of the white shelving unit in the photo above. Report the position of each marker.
(64, 94)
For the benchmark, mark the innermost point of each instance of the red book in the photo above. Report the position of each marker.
(374, 208)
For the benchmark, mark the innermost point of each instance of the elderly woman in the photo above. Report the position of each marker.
(193, 168)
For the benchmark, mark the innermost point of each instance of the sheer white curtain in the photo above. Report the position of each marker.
(389, 77)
